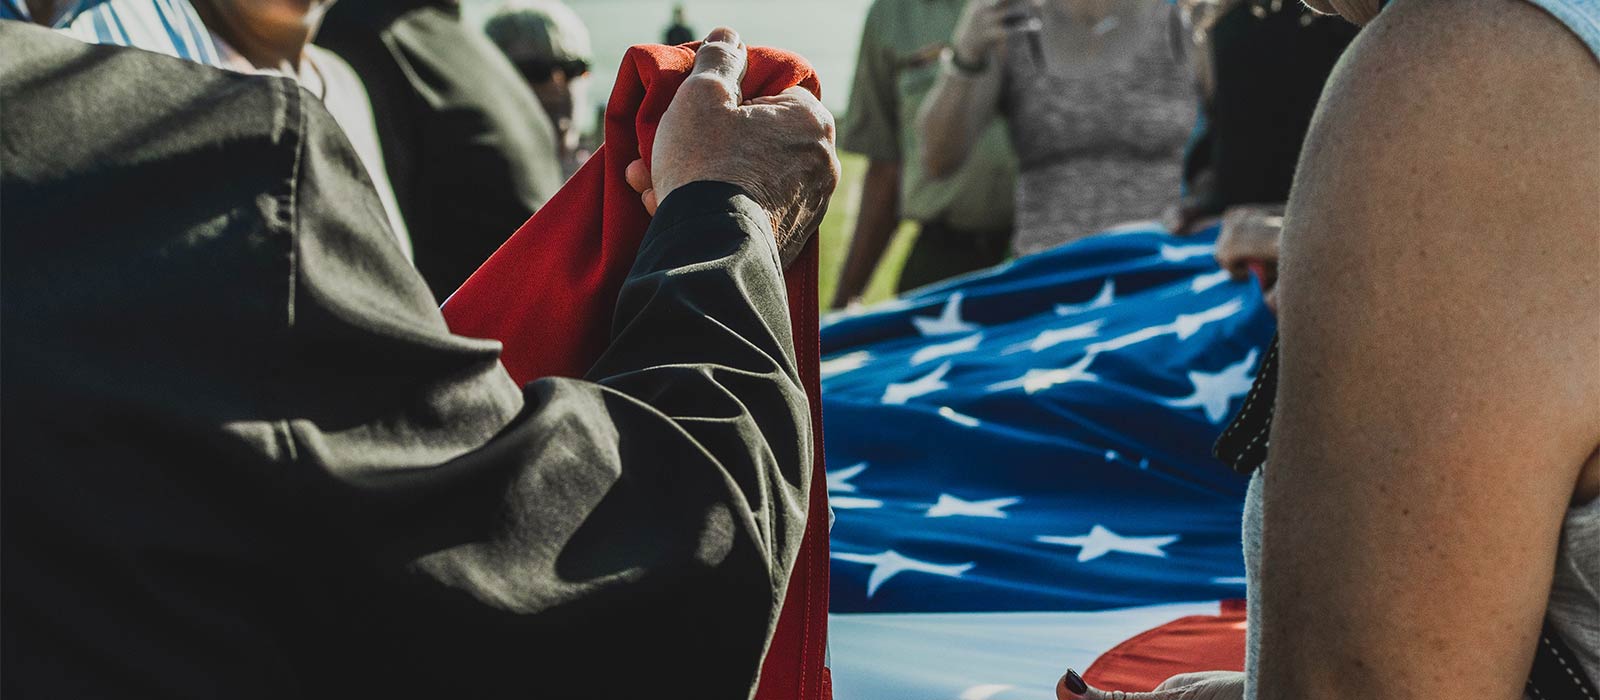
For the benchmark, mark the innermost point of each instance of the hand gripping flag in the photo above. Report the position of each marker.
(548, 293)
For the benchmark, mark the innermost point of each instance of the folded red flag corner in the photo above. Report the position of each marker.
(549, 292)
(1185, 645)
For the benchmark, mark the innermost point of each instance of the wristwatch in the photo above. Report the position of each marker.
(954, 64)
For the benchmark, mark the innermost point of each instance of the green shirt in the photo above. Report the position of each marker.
(898, 66)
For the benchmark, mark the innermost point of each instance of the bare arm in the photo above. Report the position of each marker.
(961, 104)
(1440, 326)
(875, 226)
(954, 115)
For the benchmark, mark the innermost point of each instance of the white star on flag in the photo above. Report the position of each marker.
(962, 419)
(1101, 300)
(1184, 326)
(853, 503)
(1180, 253)
(888, 564)
(847, 362)
(1037, 380)
(839, 479)
(899, 393)
(1100, 542)
(1189, 324)
(1052, 337)
(949, 505)
(1204, 282)
(1214, 392)
(839, 482)
(947, 322)
(934, 351)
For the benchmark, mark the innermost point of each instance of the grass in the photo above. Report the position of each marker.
(834, 237)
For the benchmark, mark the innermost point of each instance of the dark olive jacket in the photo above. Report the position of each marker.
(244, 458)
(470, 152)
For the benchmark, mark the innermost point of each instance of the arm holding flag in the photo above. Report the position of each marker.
(645, 516)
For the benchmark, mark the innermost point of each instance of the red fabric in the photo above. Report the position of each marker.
(1185, 645)
(548, 295)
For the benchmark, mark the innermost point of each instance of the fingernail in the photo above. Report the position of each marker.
(1075, 682)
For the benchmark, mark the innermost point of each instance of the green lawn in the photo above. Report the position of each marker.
(835, 237)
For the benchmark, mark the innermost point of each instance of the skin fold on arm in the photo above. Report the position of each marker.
(1440, 381)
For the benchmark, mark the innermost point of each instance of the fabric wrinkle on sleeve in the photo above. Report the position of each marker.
(665, 492)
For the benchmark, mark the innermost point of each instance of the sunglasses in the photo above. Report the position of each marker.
(541, 71)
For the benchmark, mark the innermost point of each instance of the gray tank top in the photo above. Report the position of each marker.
(1574, 609)
(1099, 128)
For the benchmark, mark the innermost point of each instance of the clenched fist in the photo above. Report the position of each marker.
(778, 149)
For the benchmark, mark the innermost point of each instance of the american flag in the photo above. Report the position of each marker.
(1019, 466)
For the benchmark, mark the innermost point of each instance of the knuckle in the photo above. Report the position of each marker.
(715, 51)
(704, 86)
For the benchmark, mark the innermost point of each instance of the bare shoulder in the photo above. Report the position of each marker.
(1449, 195)
(1456, 70)
(1457, 142)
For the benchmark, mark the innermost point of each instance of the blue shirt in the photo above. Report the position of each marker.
(168, 27)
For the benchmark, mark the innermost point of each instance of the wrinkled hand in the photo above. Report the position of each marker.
(778, 149)
(1250, 238)
(1208, 685)
(983, 26)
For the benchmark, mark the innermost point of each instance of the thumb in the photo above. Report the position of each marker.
(722, 57)
(1072, 687)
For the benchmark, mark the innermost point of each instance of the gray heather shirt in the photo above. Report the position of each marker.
(1099, 130)
(1574, 593)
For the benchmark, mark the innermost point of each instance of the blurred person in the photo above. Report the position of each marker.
(469, 151)
(1263, 66)
(679, 31)
(1097, 104)
(1424, 506)
(964, 216)
(245, 458)
(249, 37)
(549, 46)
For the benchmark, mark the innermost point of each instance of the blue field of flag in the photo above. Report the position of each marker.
(1033, 439)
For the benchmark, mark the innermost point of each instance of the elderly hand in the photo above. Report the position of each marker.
(1249, 240)
(778, 149)
(1208, 685)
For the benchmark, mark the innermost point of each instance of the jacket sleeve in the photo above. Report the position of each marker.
(582, 538)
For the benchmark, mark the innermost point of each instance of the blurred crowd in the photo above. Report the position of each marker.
(1004, 128)
(999, 128)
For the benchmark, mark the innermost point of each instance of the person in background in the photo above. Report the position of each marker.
(245, 458)
(679, 31)
(1423, 515)
(1263, 65)
(964, 215)
(268, 38)
(469, 151)
(1098, 106)
(549, 45)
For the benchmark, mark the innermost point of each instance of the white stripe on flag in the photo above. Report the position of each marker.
(943, 656)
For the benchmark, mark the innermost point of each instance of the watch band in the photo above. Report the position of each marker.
(949, 58)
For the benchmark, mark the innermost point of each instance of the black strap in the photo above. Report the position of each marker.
(1243, 445)
(1556, 674)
